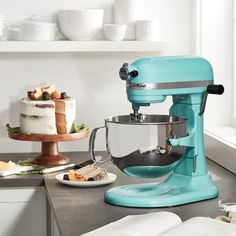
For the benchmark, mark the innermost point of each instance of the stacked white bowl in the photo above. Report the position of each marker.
(114, 32)
(84, 24)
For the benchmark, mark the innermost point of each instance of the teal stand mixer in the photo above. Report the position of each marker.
(179, 149)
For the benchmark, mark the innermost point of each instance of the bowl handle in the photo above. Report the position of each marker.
(96, 159)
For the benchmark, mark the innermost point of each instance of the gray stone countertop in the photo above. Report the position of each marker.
(79, 210)
(20, 180)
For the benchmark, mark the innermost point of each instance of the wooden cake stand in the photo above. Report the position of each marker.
(50, 154)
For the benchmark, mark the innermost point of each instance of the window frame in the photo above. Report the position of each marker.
(217, 148)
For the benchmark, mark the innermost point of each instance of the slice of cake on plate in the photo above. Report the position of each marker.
(87, 173)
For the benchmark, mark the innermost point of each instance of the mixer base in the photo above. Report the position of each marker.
(175, 190)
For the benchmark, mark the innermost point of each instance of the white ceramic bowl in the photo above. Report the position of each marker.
(84, 24)
(114, 32)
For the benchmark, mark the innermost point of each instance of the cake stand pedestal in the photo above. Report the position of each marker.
(49, 153)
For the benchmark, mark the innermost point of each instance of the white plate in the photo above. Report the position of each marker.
(111, 178)
(17, 169)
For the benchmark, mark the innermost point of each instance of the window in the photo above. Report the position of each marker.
(216, 41)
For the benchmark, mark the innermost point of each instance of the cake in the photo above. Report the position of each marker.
(47, 111)
(86, 173)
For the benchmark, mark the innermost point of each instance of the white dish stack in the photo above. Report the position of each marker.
(128, 12)
(114, 32)
(85, 25)
(4, 24)
(33, 30)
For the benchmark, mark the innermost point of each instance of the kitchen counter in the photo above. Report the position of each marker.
(79, 210)
(20, 180)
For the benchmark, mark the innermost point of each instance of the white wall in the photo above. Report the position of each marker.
(92, 78)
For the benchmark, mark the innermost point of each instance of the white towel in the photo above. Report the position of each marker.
(150, 224)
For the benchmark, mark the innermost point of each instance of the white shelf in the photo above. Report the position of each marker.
(84, 46)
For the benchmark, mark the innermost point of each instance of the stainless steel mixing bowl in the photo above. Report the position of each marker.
(141, 148)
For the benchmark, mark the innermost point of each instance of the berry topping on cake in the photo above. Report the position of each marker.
(30, 94)
(50, 89)
(46, 93)
(37, 93)
(63, 95)
(46, 96)
(56, 95)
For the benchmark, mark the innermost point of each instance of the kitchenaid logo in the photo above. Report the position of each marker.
(136, 85)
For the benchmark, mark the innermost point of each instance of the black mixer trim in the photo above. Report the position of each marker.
(152, 86)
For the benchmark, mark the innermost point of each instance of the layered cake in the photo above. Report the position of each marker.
(47, 111)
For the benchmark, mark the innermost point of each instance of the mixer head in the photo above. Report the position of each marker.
(150, 80)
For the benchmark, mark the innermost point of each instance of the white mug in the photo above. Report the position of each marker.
(147, 30)
(4, 23)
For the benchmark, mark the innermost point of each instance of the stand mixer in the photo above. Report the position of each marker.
(178, 145)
